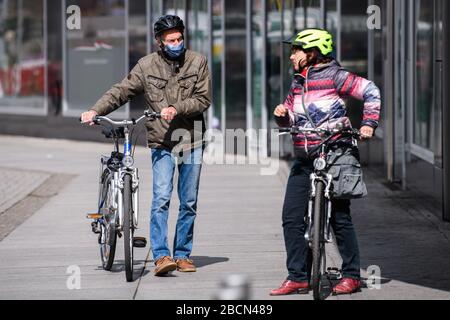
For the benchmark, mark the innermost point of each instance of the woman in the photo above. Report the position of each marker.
(318, 87)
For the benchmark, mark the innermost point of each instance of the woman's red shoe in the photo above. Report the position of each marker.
(347, 286)
(290, 287)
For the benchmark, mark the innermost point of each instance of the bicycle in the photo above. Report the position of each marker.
(319, 203)
(118, 195)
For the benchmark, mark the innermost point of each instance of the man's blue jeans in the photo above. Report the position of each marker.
(189, 167)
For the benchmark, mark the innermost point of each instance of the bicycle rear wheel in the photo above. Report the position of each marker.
(128, 227)
(318, 244)
(108, 233)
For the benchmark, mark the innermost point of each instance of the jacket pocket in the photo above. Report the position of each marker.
(156, 88)
(187, 83)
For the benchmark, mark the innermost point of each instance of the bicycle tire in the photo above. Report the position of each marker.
(108, 233)
(128, 228)
(318, 248)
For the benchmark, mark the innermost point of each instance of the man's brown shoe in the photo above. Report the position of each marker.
(164, 265)
(186, 265)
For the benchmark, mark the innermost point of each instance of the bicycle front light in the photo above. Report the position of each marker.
(128, 161)
(320, 164)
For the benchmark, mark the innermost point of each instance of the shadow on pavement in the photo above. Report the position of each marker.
(202, 261)
(398, 232)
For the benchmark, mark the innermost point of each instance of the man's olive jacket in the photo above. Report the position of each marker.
(187, 88)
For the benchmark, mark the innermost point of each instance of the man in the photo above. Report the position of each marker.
(176, 82)
(316, 99)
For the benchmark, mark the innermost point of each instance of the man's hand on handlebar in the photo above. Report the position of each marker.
(88, 116)
(366, 132)
(169, 113)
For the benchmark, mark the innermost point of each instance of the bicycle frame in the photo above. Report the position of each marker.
(320, 174)
(126, 167)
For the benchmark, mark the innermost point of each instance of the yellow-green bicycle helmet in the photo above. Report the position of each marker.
(313, 38)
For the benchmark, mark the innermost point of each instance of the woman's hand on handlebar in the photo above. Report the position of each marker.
(88, 116)
(280, 111)
(366, 132)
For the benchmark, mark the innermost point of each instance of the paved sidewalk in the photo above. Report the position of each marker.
(238, 231)
(17, 184)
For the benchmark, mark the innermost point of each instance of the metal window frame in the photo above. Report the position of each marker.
(264, 111)
(446, 114)
(413, 148)
(223, 68)
(210, 112)
(339, 30)
(72, 113)
(249, 66)
(323, 14)
(388, 91)
(24, 110)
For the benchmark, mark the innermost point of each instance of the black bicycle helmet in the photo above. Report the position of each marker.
(167, 22)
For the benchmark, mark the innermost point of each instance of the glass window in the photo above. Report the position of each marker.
(23, 63)
(424, 69)
(437, 147)
(354, 36)
(288, 31)
(217, 54)
(274, 52)
(332, 19)
(175, 7)
(138, 36)
(96, 56)
(307, 13)
(354, 49)
(378, 58)
(155, 11)
(197, 26)
(235, 55)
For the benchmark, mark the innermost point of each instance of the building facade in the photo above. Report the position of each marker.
(53, 67)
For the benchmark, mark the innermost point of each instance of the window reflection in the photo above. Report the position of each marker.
(274, 52)
(257, 43)
(307, 14)
(22, 56)
(235, 55)
(354, 36)
(217, 62)
(197, 27)
(424, 65)
(97, 52)
(353, 47)
(138, 36)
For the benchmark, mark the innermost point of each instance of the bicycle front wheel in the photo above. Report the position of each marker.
(108, 234)
(318, 244)
(128, 227)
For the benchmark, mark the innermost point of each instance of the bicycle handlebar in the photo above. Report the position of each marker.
(331, 133)
(354, 133)
(147, 114)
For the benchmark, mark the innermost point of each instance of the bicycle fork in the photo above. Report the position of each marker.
(309, 219)
(119, 178)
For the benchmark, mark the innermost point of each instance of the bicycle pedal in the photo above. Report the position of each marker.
(334, 273)
(139, 242)
(94, 216)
